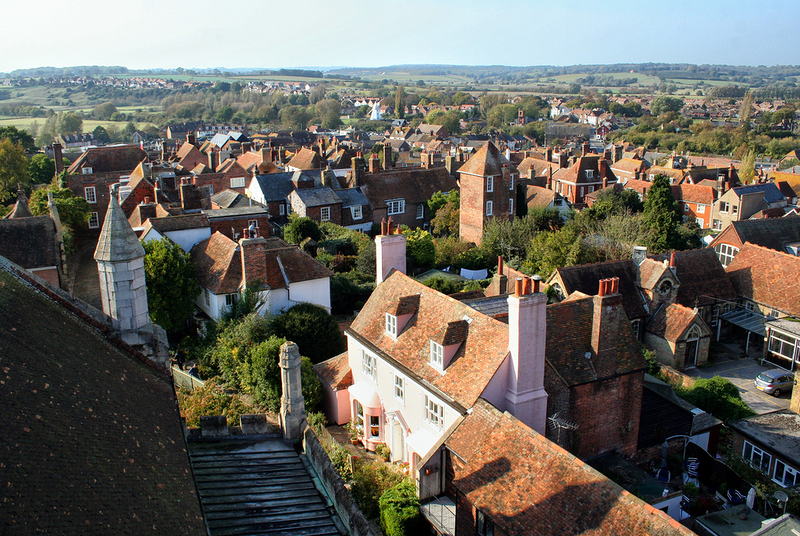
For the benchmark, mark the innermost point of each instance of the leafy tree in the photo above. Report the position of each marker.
(73, 211)
(212, 399)
(746, 111)
(317, 93)
(399, 507)
(661, 215)
(100, 133)
(447, 218)
(224, 114)
(420, 251)
(41, 169)
(295, 116)
(663, 103)
(614, 237)
(439, 199)
(13, 168)
(747, 170)
(104, 111)
(18, 136)
(400, 102)
(550, 250)
(171, 284)
(350, 291)
(610, 202)
(312, 328)
(301, 228)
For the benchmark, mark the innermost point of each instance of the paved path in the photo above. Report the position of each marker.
(742, 372)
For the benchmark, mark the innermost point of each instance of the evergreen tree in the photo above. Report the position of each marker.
(661, 215)
(171, 283)
(400, 102)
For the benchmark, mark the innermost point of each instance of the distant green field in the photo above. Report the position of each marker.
(88, 124)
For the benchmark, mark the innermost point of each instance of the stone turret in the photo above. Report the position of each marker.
(120, 265)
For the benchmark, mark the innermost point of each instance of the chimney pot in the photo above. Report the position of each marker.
(602, 290)
(537, 283)
(518, 290)
(500, 265)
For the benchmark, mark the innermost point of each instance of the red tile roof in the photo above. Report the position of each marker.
(335, 372)
(485, 162)
(767, 277)
(671, 321)
(529, 485)
(218, 264)
(476, 361)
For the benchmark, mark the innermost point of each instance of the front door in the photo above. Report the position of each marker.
(691, 353)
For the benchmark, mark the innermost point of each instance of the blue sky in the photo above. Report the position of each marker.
(270, 34)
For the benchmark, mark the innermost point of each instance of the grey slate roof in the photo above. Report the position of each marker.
(29, 242)
(235, 212)
(117, 240)
(92, 439)
(230, 199)
(770, 233)
(317, 197)
(278, 186)
(352, 197)
(772, 194)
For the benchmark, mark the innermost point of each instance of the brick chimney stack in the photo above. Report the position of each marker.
(585, 149)
(387, 156)
(374, 163)
(526, 398)
(58, 157)
(606, 320)
(390, 251)
(499, 284)
(254, 259)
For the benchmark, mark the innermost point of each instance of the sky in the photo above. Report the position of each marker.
(264, 34)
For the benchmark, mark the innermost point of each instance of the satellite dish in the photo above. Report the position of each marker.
(781, 496)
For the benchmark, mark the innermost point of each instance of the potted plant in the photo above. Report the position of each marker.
(352, 427)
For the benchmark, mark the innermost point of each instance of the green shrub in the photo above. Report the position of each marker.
(209, 400)
(317, 421)
(312, 328)
(340, 458)
(718, 397)
(370, 480)
(301, 228)
(445, 285)
(399, 507)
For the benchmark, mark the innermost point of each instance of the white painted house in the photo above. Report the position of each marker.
(285, 274)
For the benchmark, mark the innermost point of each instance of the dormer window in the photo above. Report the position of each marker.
(437, 356)
(589, 173)
(391, 325)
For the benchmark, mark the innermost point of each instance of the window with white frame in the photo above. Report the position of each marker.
(686, 208)
(369, 366)
(86, 170)
(282, 209)
(589, 173)
(399, 388)
(490, 184)
(231, 299)
(750, 306)
(756, 457)
(391, 325)
(437, 355)
(420, 211)
(356, 212)
(90, 194)
(206, 296)
(774, 313)
(701, 209)
(325, 214)
(489, 207)
(734, 209)
(396, 206)
(511, 205)
(511, 182)
(252, 223)
(433, 413)
(724, 206)
(591, 189)
(237, 182)
(726, 253)
(581, 191)
(210, 189)
(781, 344)
(785, 475)
(699, 222)
(375, 426)
(716, 225)
(94, 220)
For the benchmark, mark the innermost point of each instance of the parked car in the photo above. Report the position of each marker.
(775, 381)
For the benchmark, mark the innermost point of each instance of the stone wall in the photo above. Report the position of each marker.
(677, 377)
(340, 496)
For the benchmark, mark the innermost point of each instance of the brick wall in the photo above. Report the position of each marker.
(473, 201)
(228, 226)
(617, 427)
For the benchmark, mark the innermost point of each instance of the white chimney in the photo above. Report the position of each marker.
(390, 251)
(526, 398)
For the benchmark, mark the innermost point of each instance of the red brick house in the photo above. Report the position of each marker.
(779, 234)
(320, 204)
(695, 202)
(487, 185)
(587, 174)
(95, 171)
